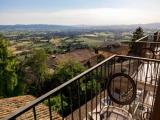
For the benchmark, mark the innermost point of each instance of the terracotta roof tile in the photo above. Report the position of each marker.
(9, 105)
(80, 55)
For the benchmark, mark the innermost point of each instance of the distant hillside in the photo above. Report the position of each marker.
(34, 27)
(155, 26)
(59, 28)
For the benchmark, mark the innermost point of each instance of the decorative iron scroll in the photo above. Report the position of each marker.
(121, 88)
(146, 115)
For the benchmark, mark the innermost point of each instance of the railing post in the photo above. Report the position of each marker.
(155, 36)
(156, 112)
(158, 37)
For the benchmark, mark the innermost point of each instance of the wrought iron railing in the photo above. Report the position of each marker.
(148, 46)
(118, 87)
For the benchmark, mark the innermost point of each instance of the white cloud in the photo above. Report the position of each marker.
(98, 16)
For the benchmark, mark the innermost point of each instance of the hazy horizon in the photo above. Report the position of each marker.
(82, 24)
(79, 12)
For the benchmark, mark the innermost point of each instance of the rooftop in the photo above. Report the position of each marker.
(10, 105)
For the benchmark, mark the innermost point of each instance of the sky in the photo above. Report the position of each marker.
(79, 12)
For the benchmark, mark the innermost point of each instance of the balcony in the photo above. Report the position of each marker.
(148, 46)
(120, 87)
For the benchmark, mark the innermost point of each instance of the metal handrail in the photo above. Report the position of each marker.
(47, 95)
(139, 58)
(142, 38)
(43, 97)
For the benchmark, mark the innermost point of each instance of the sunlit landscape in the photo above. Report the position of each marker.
(79, 60)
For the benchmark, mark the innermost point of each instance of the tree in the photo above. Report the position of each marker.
(38, 69)
(56, 103)
(137, 34)
(67, 69)
(8, 76)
